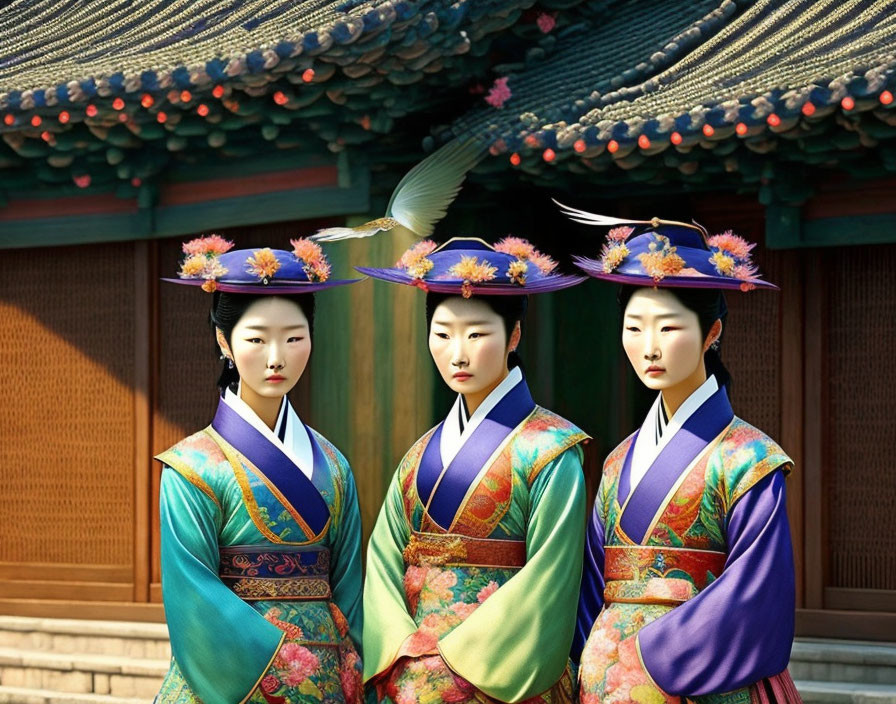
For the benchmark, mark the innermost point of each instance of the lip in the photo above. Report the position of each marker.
(461, 376)
(275, 379)
(654, 370)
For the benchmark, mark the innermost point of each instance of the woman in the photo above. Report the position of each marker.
(688, 589)
(261, 566)
(473, 566)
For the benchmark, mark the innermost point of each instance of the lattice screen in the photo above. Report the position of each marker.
(66, 420)
(861, 337)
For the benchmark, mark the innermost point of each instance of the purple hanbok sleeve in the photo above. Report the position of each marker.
(591, 595)
(739, 629)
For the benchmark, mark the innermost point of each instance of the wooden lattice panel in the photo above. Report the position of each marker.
(67, 417)
(861, 483)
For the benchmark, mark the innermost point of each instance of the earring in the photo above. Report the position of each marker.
(229, 363)
(715, 345)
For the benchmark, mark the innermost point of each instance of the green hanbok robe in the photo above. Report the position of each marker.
(261, 573)
(473, 568)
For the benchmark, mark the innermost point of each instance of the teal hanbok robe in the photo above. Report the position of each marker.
(261, 570)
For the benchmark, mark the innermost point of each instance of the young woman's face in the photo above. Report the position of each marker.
(662, 339)
(270, 346)
(469, 345)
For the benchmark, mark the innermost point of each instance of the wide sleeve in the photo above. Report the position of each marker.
(515, 645)
(739, 629)
(591, 594)
(345, 566)
(387, 623)
(222, 645)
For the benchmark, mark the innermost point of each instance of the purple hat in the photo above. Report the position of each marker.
(664, 253)
(469, 265)
(209, 263)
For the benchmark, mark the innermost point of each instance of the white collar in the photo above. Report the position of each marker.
(646, 447)
(453, 437)
(296, 444)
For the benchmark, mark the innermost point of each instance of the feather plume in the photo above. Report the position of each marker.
(422, 196)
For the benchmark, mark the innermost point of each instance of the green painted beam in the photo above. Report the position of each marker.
(785, 229)
(170, 221)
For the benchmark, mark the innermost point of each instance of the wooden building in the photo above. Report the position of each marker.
(123, 137)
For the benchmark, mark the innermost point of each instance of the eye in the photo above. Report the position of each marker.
(632, 328)
(441, 335)
(255, 340)
(475, 335)
(295, 339)
(667, 328)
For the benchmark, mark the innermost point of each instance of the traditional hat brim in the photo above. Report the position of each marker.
(594, 269)
(486, 288)
(271, 289)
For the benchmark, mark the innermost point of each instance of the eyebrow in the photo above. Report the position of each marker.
(462, 322)
(662, 315)
(264, 328)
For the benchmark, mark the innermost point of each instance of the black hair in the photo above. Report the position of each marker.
(511, 309)
(228, 308)
(709, 306)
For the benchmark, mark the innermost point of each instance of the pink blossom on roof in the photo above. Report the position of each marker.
(545, 22)
(499, 93)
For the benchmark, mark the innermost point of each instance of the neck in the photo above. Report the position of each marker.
(474, 400)
(676, 395)
(265, 408)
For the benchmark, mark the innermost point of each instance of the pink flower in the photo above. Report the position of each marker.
(515, 246)
(545, 22)
(300, 663)
(213, 245)
(499, 93)
(618, 234)
(350, 677)
(728, 242)
(440, 584)
(463, 610)
(270, 684)
(487, 591)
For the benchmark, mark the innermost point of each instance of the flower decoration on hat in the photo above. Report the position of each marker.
(472, 271)
(661, 260)
(614, 251)
(731, 257)
(524, 251)
(202, 260)
(264, 264)
(314, 262)
(414, 260)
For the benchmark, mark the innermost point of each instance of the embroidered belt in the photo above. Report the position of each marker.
(642, 574)
(452, 549)
(294, 575)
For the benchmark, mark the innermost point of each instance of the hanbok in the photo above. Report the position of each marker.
(261, 564)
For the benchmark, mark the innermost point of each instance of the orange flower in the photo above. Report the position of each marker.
(543, 262)
(263, 263)
(210, 246)
(516, 272)
(414, 260)
(515, 246)
(723, 263)
(660, 262)
(471, 270)
(192, 267)
(612, 256)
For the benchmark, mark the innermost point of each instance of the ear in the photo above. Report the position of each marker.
(715, 332)
(515, 337)
(222, 344)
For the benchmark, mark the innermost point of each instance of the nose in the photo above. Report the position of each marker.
(459, 354)
(275, 358)
(652, 352)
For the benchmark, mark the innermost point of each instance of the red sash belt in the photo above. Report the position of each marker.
(454, 550)
(641, 574)
(254, 573)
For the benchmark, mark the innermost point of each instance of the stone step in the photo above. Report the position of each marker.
(845, 693)
(82, 674)
(124, 638)
(822, 660)
(19, 695)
